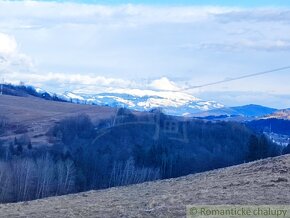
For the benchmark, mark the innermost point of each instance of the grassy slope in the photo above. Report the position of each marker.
(38, 115)
(262, 182)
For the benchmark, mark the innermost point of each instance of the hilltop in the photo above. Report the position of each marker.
(262, 182)
(280, 114)
(34, 116)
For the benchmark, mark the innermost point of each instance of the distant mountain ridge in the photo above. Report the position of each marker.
(279, 114)
(254, 110)
(251, 110)
(171, 102)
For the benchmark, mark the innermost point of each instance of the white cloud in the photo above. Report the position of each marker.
(263, 15)
(163, 84)
(122, 45)
(244, 44)
(47, 14)
(11, 60)
(66, 82)
(8, 44)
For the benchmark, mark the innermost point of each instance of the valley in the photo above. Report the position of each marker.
(140, 108)
(99, 147)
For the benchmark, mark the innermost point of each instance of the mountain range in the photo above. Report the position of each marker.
(172, 102)
(245, 111)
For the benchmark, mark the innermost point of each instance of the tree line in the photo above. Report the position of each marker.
(125, 149)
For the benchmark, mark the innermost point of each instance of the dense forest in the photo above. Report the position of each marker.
(122, 150)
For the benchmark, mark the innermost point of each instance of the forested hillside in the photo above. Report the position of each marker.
(122, 150)
(280, 126)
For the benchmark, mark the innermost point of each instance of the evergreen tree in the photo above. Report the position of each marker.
(286, 150)
(11, 148)
(253, 148)
(29, 146)
(263, 147)
(19, 149)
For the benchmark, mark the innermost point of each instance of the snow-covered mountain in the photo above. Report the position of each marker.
(172, 102)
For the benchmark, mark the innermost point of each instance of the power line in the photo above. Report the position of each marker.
(203, 85)
(189, 87)
(236, 78)
(200, 86)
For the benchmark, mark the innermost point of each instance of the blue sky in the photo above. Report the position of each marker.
(64, 47)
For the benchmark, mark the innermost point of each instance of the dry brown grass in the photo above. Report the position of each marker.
(262, 182)
(35, 115)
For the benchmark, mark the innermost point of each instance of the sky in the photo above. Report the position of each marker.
(243, 3)
(105, 45)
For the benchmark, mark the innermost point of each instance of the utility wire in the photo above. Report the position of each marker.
(197, 86)
(236, 78)
(209, 84)
(206, 84)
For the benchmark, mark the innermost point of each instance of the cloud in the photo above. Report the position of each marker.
(244, 44)
(11, 59)
(8, 44)
(263, 15)
(124, 45)
(61, 81)
(32, 14)
(17, 67)
(163, 84)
